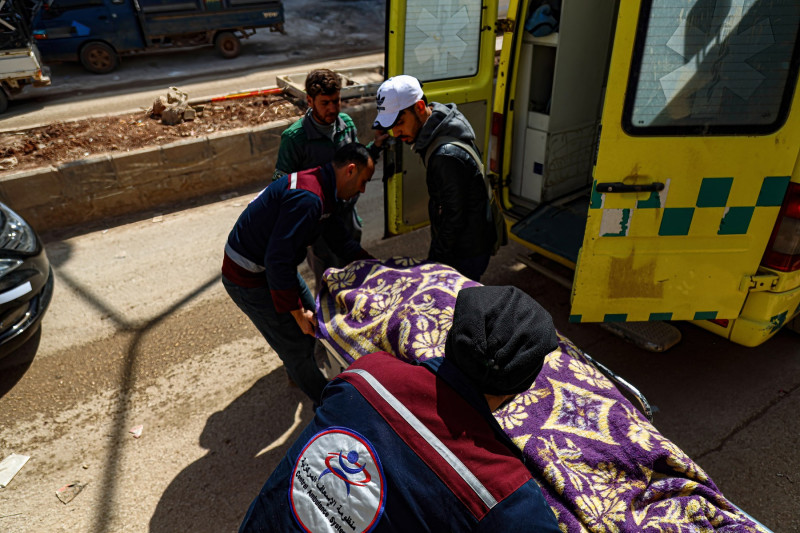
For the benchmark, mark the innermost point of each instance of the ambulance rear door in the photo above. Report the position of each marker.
(449, 45)
(698, 141)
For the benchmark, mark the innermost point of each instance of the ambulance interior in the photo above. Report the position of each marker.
(559, 94)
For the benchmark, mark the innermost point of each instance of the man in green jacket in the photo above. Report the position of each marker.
(311, 142)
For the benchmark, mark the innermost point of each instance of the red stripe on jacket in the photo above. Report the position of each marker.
(448, 416)
(241, 276)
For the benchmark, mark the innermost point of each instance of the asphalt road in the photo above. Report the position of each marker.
(141, 332)
(318, 34)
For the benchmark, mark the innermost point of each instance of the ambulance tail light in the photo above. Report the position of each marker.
(495, 142)
(783, 249)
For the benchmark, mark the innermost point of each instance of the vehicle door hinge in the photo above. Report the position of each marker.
(505, 26)
(759, 282)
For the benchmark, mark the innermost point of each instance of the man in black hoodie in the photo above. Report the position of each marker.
(462, 228)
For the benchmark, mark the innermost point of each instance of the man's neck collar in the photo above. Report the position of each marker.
(317, 122)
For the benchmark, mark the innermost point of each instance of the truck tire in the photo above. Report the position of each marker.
(3, 100)
(99, 58)
(227, 45)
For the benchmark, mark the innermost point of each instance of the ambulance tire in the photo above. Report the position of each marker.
(228, 45)
(99, 58)
(3, 100)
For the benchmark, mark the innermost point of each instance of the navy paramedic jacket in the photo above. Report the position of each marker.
(401, 447)
(270, 237)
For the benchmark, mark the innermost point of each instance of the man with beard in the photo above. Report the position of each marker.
(311, 142)
(463, 226)
(269, 240)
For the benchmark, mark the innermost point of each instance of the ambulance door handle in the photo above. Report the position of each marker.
(618, 186)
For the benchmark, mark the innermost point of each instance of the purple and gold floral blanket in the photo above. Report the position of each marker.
(602, 466)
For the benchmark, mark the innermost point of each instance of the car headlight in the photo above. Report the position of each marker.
(15, 234)
(7, 265)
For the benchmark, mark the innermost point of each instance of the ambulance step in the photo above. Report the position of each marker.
(548, 268)
(557, 228)
(652, 336)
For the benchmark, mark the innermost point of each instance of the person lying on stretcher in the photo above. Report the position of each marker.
(396, 446)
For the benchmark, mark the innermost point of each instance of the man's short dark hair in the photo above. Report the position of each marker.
(322, 81)
(351, 153)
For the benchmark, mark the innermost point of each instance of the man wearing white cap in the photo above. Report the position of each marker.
(463, 231)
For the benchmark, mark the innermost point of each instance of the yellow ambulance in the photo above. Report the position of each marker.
(650, 145)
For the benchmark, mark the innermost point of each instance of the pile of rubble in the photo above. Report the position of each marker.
(171, 118)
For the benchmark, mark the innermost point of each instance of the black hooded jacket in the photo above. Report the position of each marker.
(458, 202)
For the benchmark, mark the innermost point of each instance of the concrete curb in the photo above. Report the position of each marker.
(126, 183)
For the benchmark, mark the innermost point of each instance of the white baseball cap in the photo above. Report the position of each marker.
(394, 95)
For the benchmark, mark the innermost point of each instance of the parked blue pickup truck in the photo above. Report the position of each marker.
(97, 32)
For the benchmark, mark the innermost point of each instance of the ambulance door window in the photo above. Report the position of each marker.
(442, 39)
(722, 67)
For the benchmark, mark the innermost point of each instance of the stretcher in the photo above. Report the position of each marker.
(601, 463)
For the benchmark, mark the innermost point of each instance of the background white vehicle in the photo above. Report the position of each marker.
(20, 62)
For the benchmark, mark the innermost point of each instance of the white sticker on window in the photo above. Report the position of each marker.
(715, 63)
(442, 38)
(338, 483)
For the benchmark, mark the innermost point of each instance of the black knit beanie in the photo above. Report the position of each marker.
(499, 338)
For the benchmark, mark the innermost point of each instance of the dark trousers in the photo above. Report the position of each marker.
(472, 267)
(295, 348)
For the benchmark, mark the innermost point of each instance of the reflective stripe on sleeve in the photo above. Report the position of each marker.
(444, 452)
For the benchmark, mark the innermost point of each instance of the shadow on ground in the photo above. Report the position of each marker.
(14, 365)
(245, 442)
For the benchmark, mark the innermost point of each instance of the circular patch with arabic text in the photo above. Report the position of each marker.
(337, 483)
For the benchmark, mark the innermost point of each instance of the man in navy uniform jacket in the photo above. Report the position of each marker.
(402, 447)
(269, 241)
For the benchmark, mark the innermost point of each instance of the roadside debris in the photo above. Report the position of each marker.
(8, 163)
(68, 492)
(10, 466)
(174, 108)
(136, 431)
(60, 142)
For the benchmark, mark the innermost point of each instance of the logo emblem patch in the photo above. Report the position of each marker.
(337, 483)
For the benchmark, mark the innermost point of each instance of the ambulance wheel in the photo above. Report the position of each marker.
(99, 58)
(3, 100)
(228, 45)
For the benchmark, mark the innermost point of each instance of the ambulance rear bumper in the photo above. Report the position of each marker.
(763, 315)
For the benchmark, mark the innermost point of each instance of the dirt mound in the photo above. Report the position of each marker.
(61, 142)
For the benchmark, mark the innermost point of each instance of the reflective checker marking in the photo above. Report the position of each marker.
(337, 483)
(676, 220)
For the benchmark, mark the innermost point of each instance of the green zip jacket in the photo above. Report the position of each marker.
(303, 146)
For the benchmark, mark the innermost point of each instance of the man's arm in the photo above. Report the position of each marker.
(336, 234)
(375, 147)
(294, 229)
(449, 175)
(289, 156)
(305, 319)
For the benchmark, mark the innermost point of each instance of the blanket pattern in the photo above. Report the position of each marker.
(601, 465)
